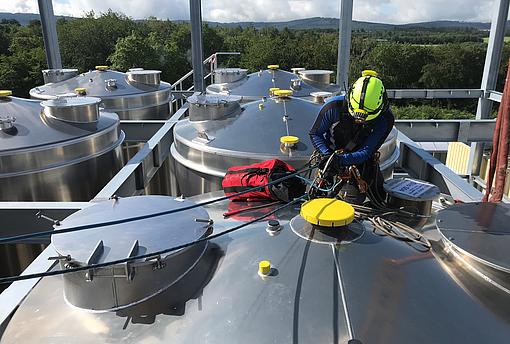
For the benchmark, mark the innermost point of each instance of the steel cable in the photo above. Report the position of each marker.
(11, 279)
(148, 216)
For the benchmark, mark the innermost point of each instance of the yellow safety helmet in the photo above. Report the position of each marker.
(367, 97)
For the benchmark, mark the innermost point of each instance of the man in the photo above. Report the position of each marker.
(353, 128)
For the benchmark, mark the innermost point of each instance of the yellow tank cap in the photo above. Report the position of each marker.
(369, 72)
(273, 67)
(101, 68)
(327, 212)
(282, 93)
(5, 93)
(264, 267)
(80, 90)
(289, 140)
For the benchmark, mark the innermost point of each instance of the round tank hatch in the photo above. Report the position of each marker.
(317, 76)
(146, 77)
(58, 75)
(229, 75)
(72, 109)
(125, 284)
(212, 107)
(479, 232)
(320, 97)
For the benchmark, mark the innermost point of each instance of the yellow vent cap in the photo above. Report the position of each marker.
(80, 90)
(101, 68)
(282, 93)
(273, 66)
(5, 93)
(264, 267)
(289, 140)
(327, 212)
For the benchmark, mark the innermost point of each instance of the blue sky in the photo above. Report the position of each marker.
(387, 11)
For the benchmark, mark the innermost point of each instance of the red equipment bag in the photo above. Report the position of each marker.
(242, 178)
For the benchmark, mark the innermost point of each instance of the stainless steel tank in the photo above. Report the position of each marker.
(237, 81)
(220, 133)
(345, 285)
(64, 149)
(136, 95)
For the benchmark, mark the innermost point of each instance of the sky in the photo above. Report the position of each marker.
(385, 11)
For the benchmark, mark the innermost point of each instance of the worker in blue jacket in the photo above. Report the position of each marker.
(353, 128)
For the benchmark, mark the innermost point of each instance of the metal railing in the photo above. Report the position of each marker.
(178, 87)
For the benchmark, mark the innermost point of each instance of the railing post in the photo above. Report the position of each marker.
(489, 77)
(344, 43)
(196, 44)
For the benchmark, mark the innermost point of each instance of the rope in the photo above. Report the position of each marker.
(11, 279)
(148, 216)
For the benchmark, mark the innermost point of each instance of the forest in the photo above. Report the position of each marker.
(411, 58)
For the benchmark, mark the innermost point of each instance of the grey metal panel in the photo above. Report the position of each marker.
(344, 43)
(137, 173)
(447, 130)
(434, 93)
(49, 29)
(420, 164)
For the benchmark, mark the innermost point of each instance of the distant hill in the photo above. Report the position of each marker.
(301, 24)
(23, 18)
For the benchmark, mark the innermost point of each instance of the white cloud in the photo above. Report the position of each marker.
(388, 11)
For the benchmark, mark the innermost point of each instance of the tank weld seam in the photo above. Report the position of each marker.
(342, 292)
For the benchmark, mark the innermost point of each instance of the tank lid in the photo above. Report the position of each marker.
(146, 77)
(72, 109)
(411, 189)
(316, 75)
(57, 75)
(327, 212)
(212, 107)
(320, 97)
(296, 70)
(143, 277)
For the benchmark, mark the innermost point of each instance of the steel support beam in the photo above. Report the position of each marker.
(344, 43)
(420, 164)
(435, 93)
(136, 175)
(447, 130)
(490, 76)
(196, 44)
(49, 31)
